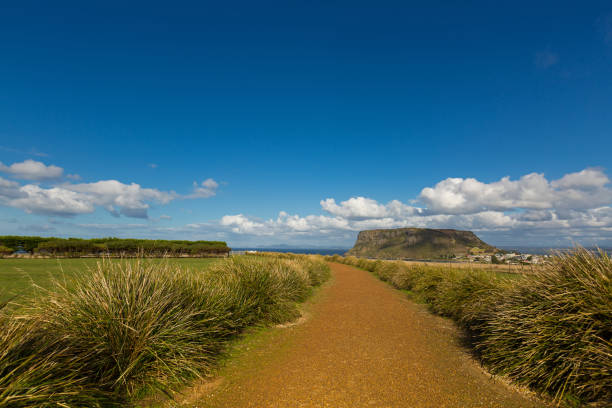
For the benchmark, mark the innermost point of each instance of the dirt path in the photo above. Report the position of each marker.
(364, 345)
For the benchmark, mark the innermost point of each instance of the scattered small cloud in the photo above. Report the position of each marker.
(74, 177)
(35, 152)
(32, 170)
(604, 24)
(206, 189)
(165, 217)
(545, 59)
(113, 227)
(38, 228)
(153, 165)
(31, 152)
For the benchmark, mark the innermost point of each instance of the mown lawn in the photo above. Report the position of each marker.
(18, 277)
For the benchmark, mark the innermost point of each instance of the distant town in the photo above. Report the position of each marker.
(512, 258)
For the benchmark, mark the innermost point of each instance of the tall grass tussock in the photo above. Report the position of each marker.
(550, 330)
(132, 326)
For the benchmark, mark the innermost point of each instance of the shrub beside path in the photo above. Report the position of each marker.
(364, 345)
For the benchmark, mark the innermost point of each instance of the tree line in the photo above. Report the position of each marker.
(110, 246)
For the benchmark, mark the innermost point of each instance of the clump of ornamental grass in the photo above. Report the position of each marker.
(315, 265)
(386, 270)
(552, 330)
(270, 291)
(131, 326)
(351, 260)
(317, 269)
(467, 296)
(405, 277)
(32, 370)
(365, 264)
(334, 258)
(427, 283)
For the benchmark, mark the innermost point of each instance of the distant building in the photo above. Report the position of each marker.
(20, 251)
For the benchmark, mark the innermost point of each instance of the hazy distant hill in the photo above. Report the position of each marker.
(417, 243)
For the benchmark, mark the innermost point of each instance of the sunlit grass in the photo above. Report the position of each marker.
(134, 325)
(18, 276)
(550, 329)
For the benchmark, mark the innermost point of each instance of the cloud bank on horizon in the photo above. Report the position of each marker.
(574, 208)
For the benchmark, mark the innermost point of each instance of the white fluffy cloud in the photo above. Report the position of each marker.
(52, 201)
(68, 199)
(587, 179)
(585, 189)
(464, 196)
(243, 225)
(32, 170)
(71, 199)
(357, 208)
(118, 198)
(284, 223)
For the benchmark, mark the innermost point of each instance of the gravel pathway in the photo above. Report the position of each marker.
(363, 345)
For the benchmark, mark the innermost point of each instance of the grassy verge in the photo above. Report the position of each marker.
(257, 347)
(127, 327)
(550, 330)
(19, 277)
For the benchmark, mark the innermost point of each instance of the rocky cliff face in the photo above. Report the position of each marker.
(417, 243)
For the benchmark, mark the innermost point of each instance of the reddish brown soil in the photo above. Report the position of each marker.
(363, 345)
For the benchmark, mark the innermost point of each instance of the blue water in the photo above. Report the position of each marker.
(547, 250)
(342, 251)
(318, 251)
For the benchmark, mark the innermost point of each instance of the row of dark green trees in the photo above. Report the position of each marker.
(74, 247)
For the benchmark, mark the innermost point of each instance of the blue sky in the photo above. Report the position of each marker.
(490, 117)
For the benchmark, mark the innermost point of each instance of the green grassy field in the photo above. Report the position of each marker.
(18, 277)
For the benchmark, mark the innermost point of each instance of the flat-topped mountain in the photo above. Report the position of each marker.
(418, 243)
